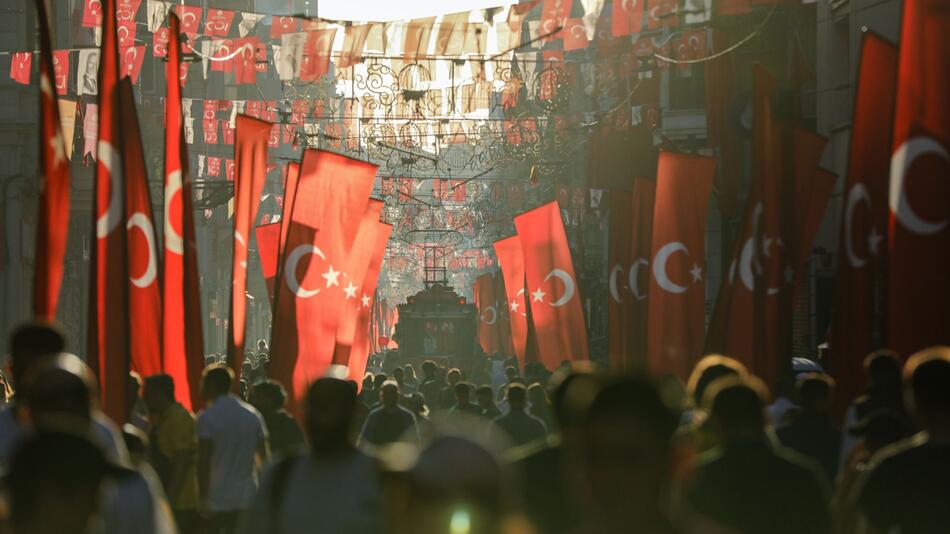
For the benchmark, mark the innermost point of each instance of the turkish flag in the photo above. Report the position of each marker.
(282, 25)
(628, 250)
(860, 250)
(486, 303)
(574, 35)
(53, 218)
(662, 13)
(359, 354)
(245, 62)
(190, 17)
(550, 281)
(108, 339)
(919, 226)
(354, 39)
(20, 65)
(160, 43)
(183, 344)
(127, 10)
(61, 71)
(316, 54)
(553, 15)
(290, 196)
(126, 31)
(210, 131)
(415, 37)
(250, 156)
(92, 13)
(505, 341)
(132, 58)
(511, 260)
(268, 248)
(676, 306)
(218, 22)
(627, 17)
(221, 52)
(145, 295)
(332, 195)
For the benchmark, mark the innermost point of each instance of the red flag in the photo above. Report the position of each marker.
(182, 336)
(61, 71)
(332, 195)
(160, 43)
(218, 22)
(361, 342)
(127, 32)
(108, 337)
(209, 127)
(860, 263)
(20, 65)
(53, 218)
(487, 306)
(919, 226)
(354, 39)
(503, 326)
(549, 273)
(268, 248)
(127, 10)
(316, 54)
(282, 25)
(676, 309)
(553, 15)
(574, 35)
(629, 253)
(190, 17)
(250, 155)
(245, 62)
(662, 13)
(627, 17)
(290, 196)
(145, 296)
(132, 58)
(511, 260)
(92, 13)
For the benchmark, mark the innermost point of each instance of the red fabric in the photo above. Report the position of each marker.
(20, 65)
(220, 50)
(332, 195)
(486, 303)
(209, 127)
(676, 309)
(550, 281)
(190, 17)
(861, 248)
(245, 62)
(218, 22)
(316, 54)
(721, 131)
(52, 225)
(628, 248)
(61, 71)
(250, 155)
(108, 338)
(92, 13)
(132, 58)
(183, 339)
(662, 13)
(505, 341)
(359, 355)
(268, 248)
(282, 25)
(127, 10)
(731, 7)
(290, 196)
(511, 260)
(918, 231)
(145, 295)
(553, 15)
(127, 32)
(574, 35)
(627, 17)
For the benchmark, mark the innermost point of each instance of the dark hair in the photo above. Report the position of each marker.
(60, 383)
(928, 375)
(485, 390)
(737, 402)
(33, 340)
(883, 367)
(161, 383)
(330, 412)
(815, 391)
(428, 367)
(462, 387)
(710, 368)
(218, 378)
(516, 392)
(635, 397)
(272, 390)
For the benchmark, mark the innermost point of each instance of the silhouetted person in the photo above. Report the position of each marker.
(540, 407)
(518, 425)
(908, 486)
(463, 403)
(389, 422)
(485, 397)
(884, 391)
(368, 394)
(232, 442)
(173, 449)
(333, 488)
(813, 432)
(399, 375)
(696, 433)
(625, 459)
(447, 395)
(746, 483)
(283, 432)
(431, 386)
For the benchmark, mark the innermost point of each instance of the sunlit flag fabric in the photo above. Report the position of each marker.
(268, 248)
(919, 229)
(628, 247)
(552, 286)
(511, 260)
(361, 342)
(182, 337)
(503, 323)
(864, 219)
(108, 339)
(627, 17)
(316, 54)
(676, 306)
(250, 155)
(53, 219)
(21, 64)
(487, 306)
(145, 295)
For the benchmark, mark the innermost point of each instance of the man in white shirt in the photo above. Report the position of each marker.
(232, 445)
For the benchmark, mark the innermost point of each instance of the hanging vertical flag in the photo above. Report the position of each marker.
(486, 304)
(415, 37)
(268, 248)
(218, 22)
(182, 337)
(860, 250)
(132, 58)
(21, 64)
(108, 338)
(354, 40)
(919, 225)
(553, 15)
(627, 17)
(53, 218)
(316, 54)
(190, 17)
(92, 13)
(503, 326)
(61, 71)
(676, 306)
(511, 260)
(359, 354)
(558, 315)
(145, 295)
(250, 155)
(629, 239)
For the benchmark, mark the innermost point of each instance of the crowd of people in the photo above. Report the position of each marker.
(487, 448)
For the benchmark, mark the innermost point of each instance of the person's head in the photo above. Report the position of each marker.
(330, 414)
(709, 369)
(389, 394)
(417, 403)
(54, 482)
(516, 395)
(31, 341)
(485, 397)
(537, 396)
(398, 375)
(511, 372)
(216, 381)
(368, 381)
(269, 396)
(736, 407)
(159, 392)
(428, 369)
(58, 388)
(453, 376)
(815, 392)
(883, 367)
(261, 346)
(410, 372)
(927, 387)
(881, 428)
(572, 390)
(626, 453)
(379, 380)
(463, 392)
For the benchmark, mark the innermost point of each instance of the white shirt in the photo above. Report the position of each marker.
(235, 430)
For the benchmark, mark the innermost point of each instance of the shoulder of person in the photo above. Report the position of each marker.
(896, 453)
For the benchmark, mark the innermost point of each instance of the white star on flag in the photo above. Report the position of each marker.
(332, 277)
(696, 272)
(56, 143)
(538, 296)
(514, 306)
(365, 301)
(874, 240)
(350, 291)
(45, 86)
